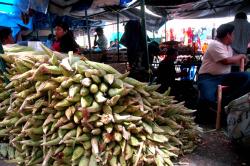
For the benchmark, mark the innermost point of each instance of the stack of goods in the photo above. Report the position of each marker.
(67, 111)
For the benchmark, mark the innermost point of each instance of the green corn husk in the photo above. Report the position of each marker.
(87, 145)
(78, 152)
(59, 79)
(109, 78)
(96, 79)
(62, 132)
(117, 83)
(74, 89)
(25, 93)
(9, 122)
(126, 118)
(103, 87)
(75, 112)
(119, 109)
(71, 133)
(31, 143)
(118, 136)
(93, 161)
(113, 161)
(59, 149)
(67, 83)
(96, 131)
(52, 142)
(84, 91)
(109, 127)
(68, 150)
(117, 150)
(99, 97)
(95, 107)
(77, 78)
(86, 101)
(128, 152)
(62, 104)
(70, 112)
(115, 91)
(46, 69)
(74, 99)
(83, 137)
(122, 161)
(113, 101)
(93, 88)
(101, 66)
(84, 161)
(68, 126)
(93, 118)
(86, 82)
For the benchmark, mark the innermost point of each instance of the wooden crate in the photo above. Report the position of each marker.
(121, 67)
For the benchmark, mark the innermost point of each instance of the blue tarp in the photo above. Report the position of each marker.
(10, 16)
(124, 2)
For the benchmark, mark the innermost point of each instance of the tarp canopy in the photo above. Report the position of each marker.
(107, 10)
(77, 7)
(103, 10)
(10, 16)
(168, 9)
(193, 9)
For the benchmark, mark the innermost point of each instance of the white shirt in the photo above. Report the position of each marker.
(216, 52)
(102, 42)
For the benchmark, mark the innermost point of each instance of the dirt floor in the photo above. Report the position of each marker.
(214, 150)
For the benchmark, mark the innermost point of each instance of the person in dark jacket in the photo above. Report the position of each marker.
(166, 71)
(133, 39)
(65, 41)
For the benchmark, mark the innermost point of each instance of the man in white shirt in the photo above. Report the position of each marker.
(102, 41)
(216, 66)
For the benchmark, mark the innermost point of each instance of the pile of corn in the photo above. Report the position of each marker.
(67, 111)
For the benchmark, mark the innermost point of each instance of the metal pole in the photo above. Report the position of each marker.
(50, 23)
(145, 33)
(118, 51)
(166, 31)
(154, 35)
(87, 24)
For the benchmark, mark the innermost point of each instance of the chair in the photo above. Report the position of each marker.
(219, 98)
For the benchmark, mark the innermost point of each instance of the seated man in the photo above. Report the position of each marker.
(216, 66)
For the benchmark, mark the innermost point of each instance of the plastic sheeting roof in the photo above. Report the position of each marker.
(102, 10)
(78, 7)
(187, 9)
(168, 9)
(10, 14)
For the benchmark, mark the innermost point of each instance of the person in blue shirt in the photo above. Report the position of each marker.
(50, 40)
